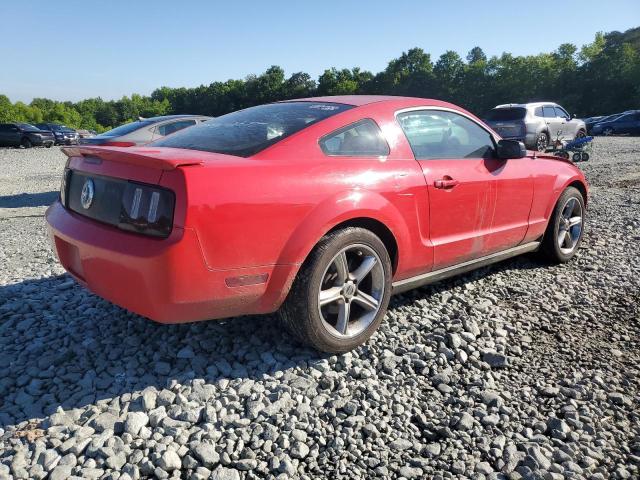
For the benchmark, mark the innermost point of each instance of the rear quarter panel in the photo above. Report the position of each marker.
(273, 209)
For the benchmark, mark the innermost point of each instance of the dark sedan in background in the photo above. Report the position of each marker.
(626, 123)
(24, 135)
(63, 135)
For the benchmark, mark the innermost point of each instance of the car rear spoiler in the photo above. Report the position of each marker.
(157, 158)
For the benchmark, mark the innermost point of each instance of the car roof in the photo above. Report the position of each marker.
(359, 100)
(162, 118)
(525, 105)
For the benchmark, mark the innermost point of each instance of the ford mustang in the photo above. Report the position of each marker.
(318, 208)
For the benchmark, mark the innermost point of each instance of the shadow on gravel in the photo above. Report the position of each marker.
(525, 262)
(60, 345)
(42, 199)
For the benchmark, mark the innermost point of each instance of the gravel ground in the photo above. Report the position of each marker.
(521, 370)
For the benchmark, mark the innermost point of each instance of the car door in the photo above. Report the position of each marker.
(4, 135)
(478, 204)
(569, 129)
(457, 182)
(12, 136)
(625, 124)
(635, 124)
(553, 123)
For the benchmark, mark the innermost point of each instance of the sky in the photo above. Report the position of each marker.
(70, 49)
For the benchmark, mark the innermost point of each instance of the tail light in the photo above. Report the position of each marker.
(523, 127)
(147, 209)
(65, 183)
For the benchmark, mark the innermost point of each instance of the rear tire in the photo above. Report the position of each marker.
(26, 143)
(542, 142)
(341, 292)
(566, 227)
(608, 131)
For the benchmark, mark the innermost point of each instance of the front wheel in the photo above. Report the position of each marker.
(581, 134)
(542, 142)
(341, 293)
(26, 143)
(608, 131)
(566, 226)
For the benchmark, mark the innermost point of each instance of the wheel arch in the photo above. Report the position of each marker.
(383, 232)
(581, 187)
(364, 209)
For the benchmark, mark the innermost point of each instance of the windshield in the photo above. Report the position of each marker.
(246, 132)
(126, 128)
(505, 114)
(28, 127)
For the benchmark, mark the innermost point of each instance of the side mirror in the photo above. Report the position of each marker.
(573, 115)
(511, 149)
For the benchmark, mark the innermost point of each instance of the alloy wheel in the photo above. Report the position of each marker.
(569, 226)
(351, 291)
(608, 131)
(542, 142)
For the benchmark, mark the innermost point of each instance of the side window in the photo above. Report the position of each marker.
(560, 112)
(549, 112)
(435, 134)
(360, 139)
(169, 128)
(538, 112)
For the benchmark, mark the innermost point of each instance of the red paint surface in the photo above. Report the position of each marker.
(259, 217)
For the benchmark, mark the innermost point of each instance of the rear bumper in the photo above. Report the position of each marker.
(165, 280)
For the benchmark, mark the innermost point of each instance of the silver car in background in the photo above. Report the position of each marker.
(537, 125)
(144, 130)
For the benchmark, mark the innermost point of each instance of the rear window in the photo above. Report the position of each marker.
(246, 132)
(126, 128)
(505, 114)
(360, 139)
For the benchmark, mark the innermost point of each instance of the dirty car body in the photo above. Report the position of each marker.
(190, 229)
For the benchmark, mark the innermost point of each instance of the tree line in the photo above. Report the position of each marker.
(599, 78)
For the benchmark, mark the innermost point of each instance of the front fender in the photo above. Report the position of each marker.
(560, 185)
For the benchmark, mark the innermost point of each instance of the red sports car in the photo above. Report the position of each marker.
(320, 208)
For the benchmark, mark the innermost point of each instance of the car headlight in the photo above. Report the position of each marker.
(147, 209)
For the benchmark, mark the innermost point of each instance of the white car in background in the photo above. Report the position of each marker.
(537, 124)
(144, 130)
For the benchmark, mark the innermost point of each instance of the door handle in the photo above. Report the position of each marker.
(445, 183)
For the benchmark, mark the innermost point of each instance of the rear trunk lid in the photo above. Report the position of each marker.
(150, 158)
(507, 122)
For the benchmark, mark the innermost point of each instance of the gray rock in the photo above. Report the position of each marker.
(299, 450)
(401, 444)
(169, 461)
(134, 422)
(495, 360)
(223, 473)
(206, 453)
(464, 422)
